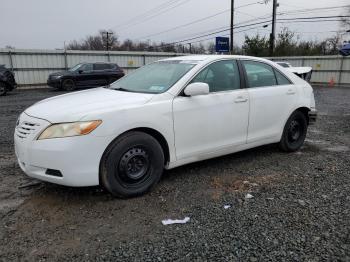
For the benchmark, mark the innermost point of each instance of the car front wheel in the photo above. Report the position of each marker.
(132, 165)
(68, 85)
(294, 132)
(3, 89)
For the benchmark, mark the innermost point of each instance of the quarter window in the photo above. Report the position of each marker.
(220, 76)
(259, 74)
(101, 66)
(281, 79)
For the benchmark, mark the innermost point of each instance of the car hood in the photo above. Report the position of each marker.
(62, 73)
(75, 106)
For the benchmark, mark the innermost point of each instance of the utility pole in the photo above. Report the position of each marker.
(273, 32)
(231, 27)
(107, 41)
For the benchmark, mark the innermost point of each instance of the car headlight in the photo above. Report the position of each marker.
(69, 129)
(56, 77)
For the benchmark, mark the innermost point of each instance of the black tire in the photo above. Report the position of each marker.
(132, 165)
(294, 132)
(3, 89)
(68, 85)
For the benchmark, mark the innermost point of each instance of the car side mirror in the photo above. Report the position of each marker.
(196, 89)
(80, 71)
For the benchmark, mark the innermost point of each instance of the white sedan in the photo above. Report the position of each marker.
(163, 115)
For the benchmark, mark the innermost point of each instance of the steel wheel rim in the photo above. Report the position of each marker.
(294, 131)
(2, 88)
(68, 84)
(133, 166)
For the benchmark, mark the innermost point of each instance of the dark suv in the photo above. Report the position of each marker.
(85, 75)
(7, 80)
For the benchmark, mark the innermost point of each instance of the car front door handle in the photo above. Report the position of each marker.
(290, 92)
(241, 99)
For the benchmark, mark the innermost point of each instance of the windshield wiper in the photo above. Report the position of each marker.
(122, 89)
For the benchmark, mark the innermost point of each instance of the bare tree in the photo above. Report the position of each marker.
(345, 21)
(94, 42)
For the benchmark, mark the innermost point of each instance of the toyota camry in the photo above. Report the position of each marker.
(163, 115)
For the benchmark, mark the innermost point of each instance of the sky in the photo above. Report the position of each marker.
(48, 24)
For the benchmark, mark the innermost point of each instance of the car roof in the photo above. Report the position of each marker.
(110, 63)
(209, 58)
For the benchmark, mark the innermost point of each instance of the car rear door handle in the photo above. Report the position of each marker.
(290, 92)
(241, 99)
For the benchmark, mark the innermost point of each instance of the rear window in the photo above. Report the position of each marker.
(102, 66)
(281, 79)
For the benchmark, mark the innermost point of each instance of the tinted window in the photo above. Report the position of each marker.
(220, 76)
(281, 79)
(259, 74)
(101, 66)
(86, 67)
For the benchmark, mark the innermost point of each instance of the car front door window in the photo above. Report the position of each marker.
(220, 76)
(86, 68)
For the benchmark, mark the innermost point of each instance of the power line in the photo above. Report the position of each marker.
(184, 25)
(147, 18)
(307, 10)
(196, 21)
(247, 21)
(150, 11)
(302, 20)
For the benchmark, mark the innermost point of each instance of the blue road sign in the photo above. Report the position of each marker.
(222, 44)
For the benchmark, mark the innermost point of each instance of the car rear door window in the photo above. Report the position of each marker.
(259, 74)
(220, 76)
(99, 67)
(281, 79)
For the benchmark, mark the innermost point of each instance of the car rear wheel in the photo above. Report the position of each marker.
(132, 165)
(68, 85)
(3, 89)
(294, 132)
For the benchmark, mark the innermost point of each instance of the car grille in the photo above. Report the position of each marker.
(25, 129)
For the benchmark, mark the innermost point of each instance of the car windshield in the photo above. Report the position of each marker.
(75, 68)
(154, 78)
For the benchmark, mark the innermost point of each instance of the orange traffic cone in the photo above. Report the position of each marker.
(331, 82)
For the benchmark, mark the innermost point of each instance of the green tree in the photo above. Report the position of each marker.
(256, 45)
(286, 43)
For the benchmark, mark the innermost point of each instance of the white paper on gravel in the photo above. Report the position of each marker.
(175, 221)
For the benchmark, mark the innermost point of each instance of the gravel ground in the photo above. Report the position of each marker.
(300, 209)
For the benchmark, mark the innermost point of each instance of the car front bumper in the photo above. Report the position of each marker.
(56, 83)
(70, 161)
(312, 117)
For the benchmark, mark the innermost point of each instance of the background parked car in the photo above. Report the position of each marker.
(7, 80)
(85, 75)
(303, 72)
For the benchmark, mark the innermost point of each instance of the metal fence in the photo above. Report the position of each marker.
(326, 69)
(32, 67)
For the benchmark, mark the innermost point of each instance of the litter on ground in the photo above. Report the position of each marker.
(175, 221)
